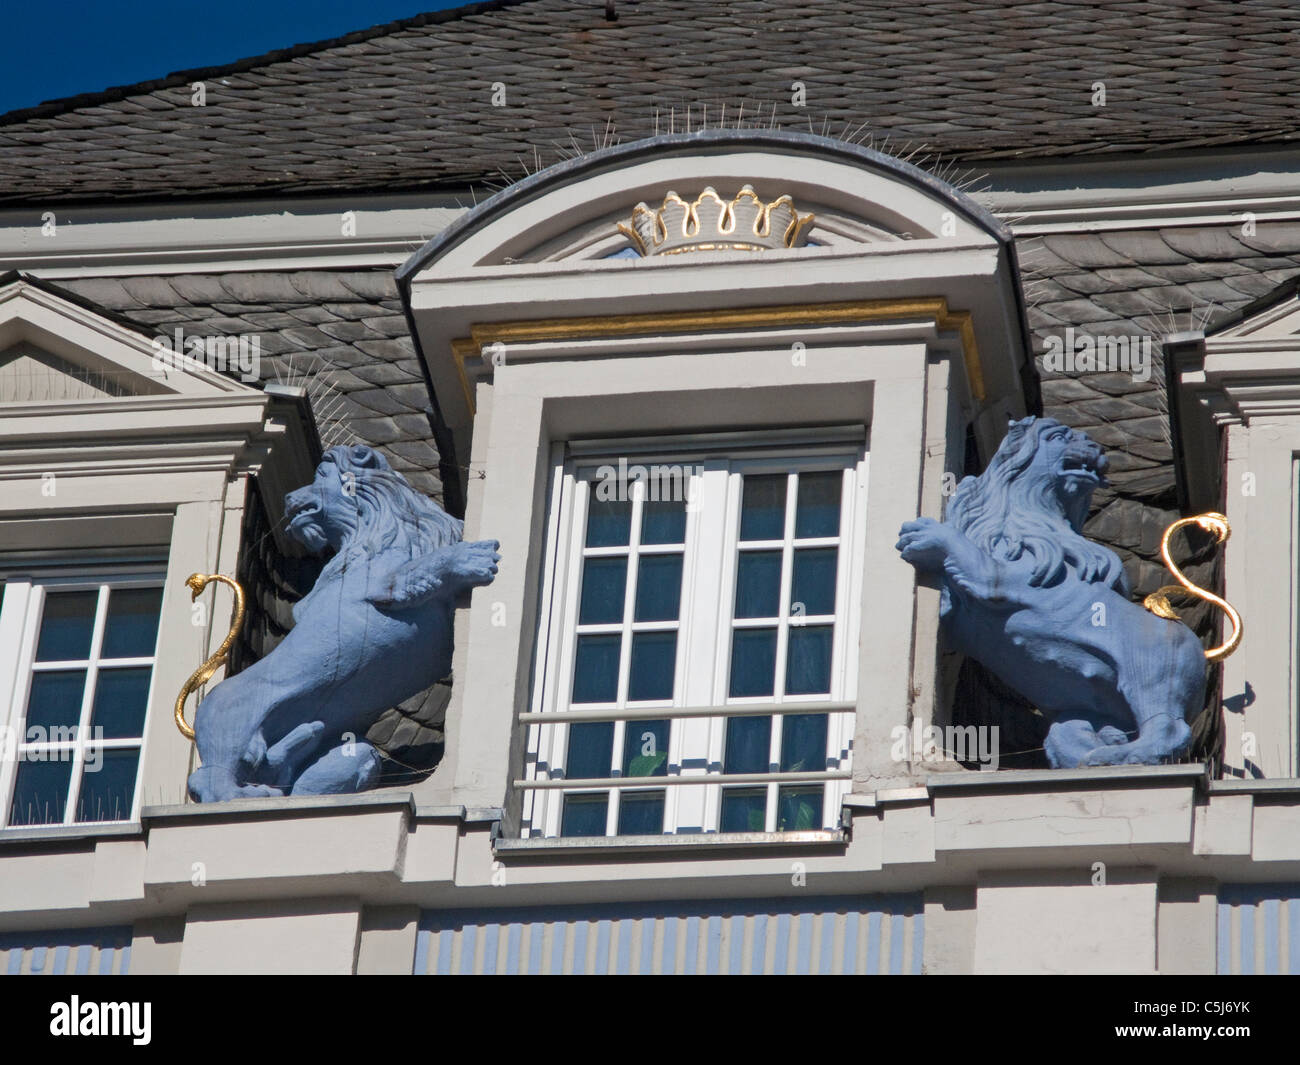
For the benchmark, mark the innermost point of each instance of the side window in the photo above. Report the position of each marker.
(699, 667)
(76, 668)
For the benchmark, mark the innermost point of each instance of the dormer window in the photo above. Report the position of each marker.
(697, 668)
(78, 655)
(660, 673)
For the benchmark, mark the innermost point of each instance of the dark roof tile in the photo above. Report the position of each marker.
(408, 105)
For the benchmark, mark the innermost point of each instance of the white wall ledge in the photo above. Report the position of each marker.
(1049, 780)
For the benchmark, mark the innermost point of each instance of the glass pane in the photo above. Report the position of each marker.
(645, 749)
(67, 623)
(817, 507)
(107, 785)
(121, 698)
(595, 669)
(753, 662)
(604, 584)
(808, 666)
(55, 701)
(609, 521)
(749, 742)
(803, 743)
(641, 813)
(41, 792)
(131, 630)
(814, 581)
(743, 810)
(654, 661)
(798, 809)
(658, 587)
(591, 750)
(663, 521)
(758, 584)
(762, 507)
(584, 815)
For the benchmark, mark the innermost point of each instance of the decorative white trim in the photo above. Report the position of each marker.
(278, 234)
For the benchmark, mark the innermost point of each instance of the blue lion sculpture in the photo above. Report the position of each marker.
(1050, 612)
(375, 629)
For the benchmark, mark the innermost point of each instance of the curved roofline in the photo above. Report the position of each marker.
(677, 143)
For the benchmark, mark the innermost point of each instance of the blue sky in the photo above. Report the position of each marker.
(56, 48)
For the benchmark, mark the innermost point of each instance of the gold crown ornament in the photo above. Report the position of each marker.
(710, 223)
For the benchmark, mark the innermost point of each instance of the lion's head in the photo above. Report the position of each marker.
(1033, 500)
(358, 505)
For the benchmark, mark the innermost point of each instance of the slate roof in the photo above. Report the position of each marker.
(1142, 282)
(345, 329)
(409, 105)
(342, 333)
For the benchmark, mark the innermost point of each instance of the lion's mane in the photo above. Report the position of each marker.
(391, 518)
(1011, 511)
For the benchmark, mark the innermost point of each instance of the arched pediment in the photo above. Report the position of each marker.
(795, 232)
(857, 196)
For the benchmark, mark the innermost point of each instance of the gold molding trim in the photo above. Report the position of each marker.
(521, 332)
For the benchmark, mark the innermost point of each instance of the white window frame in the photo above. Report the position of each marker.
(20, 620)
(704, 627)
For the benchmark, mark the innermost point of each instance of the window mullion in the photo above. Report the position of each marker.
(787, 581)
(87, 704)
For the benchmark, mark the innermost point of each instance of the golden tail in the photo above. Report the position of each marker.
(197, 582)
(1158, 601)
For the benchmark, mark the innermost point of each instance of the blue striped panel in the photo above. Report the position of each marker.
(806, 934)
(62, 952)
(849, 959)
(491, 944)
(736, 929)
(758, 957)
(713, 946)
(1250, 923)
(827, 964)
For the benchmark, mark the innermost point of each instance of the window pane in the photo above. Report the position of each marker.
(645, 749)
(132, 627)
(41, 792)
(67, 622)
(758, 584)
(803, 743)
(584, 815)
(749, 742)
(799, 809)
(55, 700)
(762, 507)
(108, 788)
(808, 666)
(608, 521)
(817, 508)
(814, 581)
(641, 813)
(654, 661)
(121, 697)
(604, 584)
(595, 669)
(658, 587)
(743, 810)
(591, 750)
(663, 521)
(753, 662)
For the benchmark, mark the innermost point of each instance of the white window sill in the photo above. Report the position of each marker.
(569, 845)
(65, 833)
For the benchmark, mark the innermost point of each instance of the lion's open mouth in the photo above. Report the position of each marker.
(1085, 463)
